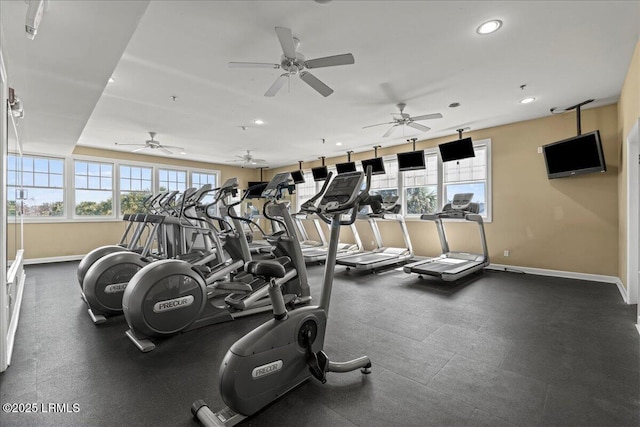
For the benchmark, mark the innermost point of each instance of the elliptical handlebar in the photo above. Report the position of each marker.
(309, 205)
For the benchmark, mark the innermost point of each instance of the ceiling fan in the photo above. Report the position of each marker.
(249, 160)
(403, 119)
(293, 62)
(154, 145)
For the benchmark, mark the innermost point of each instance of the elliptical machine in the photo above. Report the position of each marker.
(172, 296)
(286, 351)
(106, 280)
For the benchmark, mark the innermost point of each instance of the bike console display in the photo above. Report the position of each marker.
(342, 192)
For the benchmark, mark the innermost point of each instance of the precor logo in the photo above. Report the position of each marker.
(173, 304)
(269, 368)
(115, 288)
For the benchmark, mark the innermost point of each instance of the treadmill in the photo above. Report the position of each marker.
(382, 256)
(451, 266)
(319, 254)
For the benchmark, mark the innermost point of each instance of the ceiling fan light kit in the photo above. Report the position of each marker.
(295, 63)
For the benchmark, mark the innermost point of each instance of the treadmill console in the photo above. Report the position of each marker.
(273, 188)
(342, 191)
(461, 201)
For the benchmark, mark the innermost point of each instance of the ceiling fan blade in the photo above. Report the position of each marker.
(330, 61)
(428, 116)
(143, 145)
(172, 146)
(253, 65)
(286, 41)
(418, 126)
(275, 87)
(379, 124)
(390, 131)
(164, 150)
(139, 149)
(315, 83)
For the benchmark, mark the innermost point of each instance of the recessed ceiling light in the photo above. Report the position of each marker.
(489, 27)
(258, 122)
(338, 143)
(527, 100)
(111, 80)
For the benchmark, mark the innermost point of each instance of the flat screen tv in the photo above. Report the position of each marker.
(456, 150)
(255, 189)
(410, 161)
(297, 176)
(319, 173)
(575, 156)
(377, 165)
(345, 167)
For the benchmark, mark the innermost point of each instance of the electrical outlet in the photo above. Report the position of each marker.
(506, 252)
(539, 150)
(372, 243)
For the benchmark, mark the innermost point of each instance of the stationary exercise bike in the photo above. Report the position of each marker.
(286, 351)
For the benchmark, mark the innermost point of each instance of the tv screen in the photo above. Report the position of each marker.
(297, 176)
(319, 173)
(574, 156)
(412, 160)
(255, 188)
(456, 150)
(345, 167)
(377, 165)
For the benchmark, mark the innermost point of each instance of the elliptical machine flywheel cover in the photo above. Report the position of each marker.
(106, 280)
(164, 298)
(89, 259)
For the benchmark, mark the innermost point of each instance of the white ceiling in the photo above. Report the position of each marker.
(424, 53)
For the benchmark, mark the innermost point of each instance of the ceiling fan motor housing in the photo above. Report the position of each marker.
(293, 66)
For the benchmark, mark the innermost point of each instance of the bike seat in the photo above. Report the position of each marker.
(269, 267)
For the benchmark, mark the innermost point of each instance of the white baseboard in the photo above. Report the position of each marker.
(53, 259)
(566, 275)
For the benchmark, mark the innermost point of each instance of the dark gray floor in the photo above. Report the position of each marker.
(505, 349)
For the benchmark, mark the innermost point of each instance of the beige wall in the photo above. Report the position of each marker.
(71, 238)
(628, 115)
(568, 224)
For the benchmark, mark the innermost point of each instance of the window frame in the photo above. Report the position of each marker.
(69, 189)
(21, 186)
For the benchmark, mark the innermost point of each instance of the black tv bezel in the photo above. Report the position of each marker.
(350, 165)
(252, 184)
(602, 167)
(411, 153)
(293, 176)
(316, 177)
(461, 141)
(374, 161)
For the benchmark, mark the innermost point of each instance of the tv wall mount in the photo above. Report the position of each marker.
(574, 107)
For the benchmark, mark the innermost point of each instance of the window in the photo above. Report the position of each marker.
(93, 188)
(135, 187)
(421, 188)
(467, 176)
(170, 180)
(306, 190)
(198, 179)
(35, 186)
(428, 190)
(386, 184)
